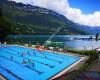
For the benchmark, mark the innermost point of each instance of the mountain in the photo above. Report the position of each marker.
(2, 2)
(28, 19)
(92, 30)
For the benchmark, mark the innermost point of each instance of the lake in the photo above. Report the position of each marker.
(77, 43)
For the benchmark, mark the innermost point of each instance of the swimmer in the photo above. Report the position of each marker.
(11, 57)
(33, 64)
(24, 61)
(30, 61)
(23, 54)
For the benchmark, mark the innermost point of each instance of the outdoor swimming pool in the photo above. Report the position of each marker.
(39, 65)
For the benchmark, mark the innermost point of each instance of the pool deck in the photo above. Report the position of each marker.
(2, 77)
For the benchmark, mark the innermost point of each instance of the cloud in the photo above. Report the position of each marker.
(63, 7)
(77, 16)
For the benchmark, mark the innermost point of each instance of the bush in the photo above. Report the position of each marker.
(91, 59)
(30, 45)
(83, 52)
(83, 67)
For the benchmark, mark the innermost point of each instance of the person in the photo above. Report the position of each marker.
(29, 61)
(43, 53)
(41, 50)
(34, 53)
(23, 54)
(24, 61)
(33, 64)
(29, 54)
(11, 57)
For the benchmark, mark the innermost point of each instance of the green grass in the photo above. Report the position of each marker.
(83, 52)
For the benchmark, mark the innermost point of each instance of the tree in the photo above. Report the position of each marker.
(5, 26)
(1, 13)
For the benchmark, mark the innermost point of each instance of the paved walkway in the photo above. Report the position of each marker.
(2, 78)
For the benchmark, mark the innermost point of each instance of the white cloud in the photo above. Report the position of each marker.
(63, 7)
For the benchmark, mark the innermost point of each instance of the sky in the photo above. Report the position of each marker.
(86, 12)
(87, 6)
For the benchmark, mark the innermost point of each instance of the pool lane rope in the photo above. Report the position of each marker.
(51, 66)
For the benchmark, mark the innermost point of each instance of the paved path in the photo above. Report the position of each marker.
(2, 78)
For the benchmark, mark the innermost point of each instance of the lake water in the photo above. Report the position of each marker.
(73, 44)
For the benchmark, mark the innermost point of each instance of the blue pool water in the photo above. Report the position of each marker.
(46, 64)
